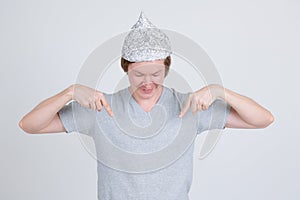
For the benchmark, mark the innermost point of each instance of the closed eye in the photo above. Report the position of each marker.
(156, 74)
(139, 75)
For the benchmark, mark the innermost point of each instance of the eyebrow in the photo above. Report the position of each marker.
(152, 73)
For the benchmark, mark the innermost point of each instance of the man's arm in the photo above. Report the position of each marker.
(44, 117)
(245, 113)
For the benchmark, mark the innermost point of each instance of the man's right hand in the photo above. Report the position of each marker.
(90, 98)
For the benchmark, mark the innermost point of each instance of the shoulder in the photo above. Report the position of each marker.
(180, 96)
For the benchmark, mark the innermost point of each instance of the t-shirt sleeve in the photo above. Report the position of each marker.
(214, 117)
(77, 118)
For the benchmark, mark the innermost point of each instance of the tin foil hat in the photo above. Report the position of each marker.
(145, 42)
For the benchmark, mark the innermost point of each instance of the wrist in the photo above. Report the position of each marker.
(217, 91)
(70, 91)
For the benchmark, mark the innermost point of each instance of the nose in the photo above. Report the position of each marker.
(147, 79)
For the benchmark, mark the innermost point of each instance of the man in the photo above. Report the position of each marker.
(143, 119)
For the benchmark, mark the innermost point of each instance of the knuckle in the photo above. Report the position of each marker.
(90, 99)
(97, 96)
(103, 103)
(100, 94)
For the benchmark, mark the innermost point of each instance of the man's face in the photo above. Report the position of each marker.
(146, 77)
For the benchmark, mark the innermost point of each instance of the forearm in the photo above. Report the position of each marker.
(43, 113)
(250, 111)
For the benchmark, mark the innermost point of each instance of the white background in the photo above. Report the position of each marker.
(254, 44)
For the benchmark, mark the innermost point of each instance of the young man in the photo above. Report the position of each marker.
(129, 114)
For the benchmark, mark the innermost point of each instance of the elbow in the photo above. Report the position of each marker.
(268, 121)
(21, 125)
(24, 128)
(271, 119)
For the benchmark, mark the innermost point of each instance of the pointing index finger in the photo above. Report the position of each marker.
(107, 106)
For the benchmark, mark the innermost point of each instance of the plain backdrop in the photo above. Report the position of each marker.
(254, 44)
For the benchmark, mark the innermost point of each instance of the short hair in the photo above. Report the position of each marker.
(125, 63)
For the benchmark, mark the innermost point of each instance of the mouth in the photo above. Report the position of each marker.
(147, 90)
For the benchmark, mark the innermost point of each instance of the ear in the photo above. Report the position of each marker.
(166, 71)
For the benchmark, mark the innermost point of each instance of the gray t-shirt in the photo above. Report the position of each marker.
(171, 182)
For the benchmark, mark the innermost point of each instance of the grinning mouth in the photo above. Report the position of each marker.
(147, 90)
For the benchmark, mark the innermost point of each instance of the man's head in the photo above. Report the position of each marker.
(145, 77)
(146, 56)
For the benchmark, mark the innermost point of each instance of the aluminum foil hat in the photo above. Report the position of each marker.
(145, 42)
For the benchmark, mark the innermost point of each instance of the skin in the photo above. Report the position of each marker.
(146, 79)
(245, 112)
